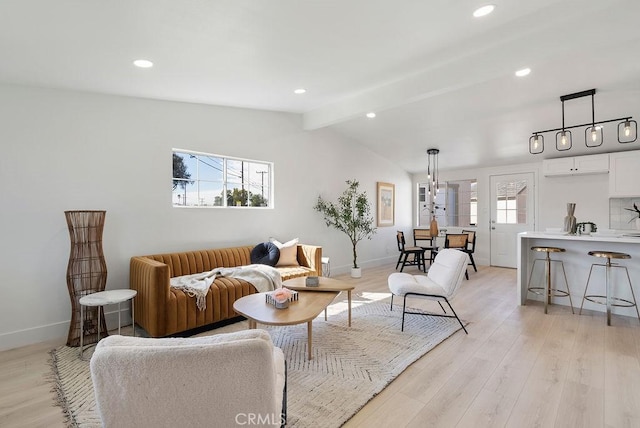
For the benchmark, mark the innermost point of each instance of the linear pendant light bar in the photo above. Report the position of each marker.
(600, 122)
(627, 128)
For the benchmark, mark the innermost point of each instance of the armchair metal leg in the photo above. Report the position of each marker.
(404, 311)
(391, 308)
(455, 315)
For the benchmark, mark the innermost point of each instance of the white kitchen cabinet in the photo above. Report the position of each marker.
(624, 180)
(590, 164)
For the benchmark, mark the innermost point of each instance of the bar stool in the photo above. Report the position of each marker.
(608, 299)
(547, 290)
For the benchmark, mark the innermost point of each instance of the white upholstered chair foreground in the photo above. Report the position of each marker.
(440, 284)
(222, 380)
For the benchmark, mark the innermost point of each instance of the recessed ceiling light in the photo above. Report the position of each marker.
(300, 91)
(143, 63)
(484, 10)
(371, 115)
(523, 72)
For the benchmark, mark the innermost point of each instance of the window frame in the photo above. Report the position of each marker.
(264, 182)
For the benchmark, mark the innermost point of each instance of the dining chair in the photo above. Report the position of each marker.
(426, 242)
(457, 241)
(405, 252)
(471, 247)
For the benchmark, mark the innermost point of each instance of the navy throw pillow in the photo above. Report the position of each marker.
(265, 253)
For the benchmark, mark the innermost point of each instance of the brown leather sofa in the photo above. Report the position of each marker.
(162, 310)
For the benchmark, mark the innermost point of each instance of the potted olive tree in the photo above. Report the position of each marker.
(351, 215)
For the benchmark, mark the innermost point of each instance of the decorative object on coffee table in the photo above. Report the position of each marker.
(86, 272)
(311, 281)
(281, 297)
(351, 215)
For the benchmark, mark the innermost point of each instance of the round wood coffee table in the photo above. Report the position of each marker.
(308, 306)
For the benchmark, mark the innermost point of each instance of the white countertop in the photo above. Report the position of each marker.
(623, 236)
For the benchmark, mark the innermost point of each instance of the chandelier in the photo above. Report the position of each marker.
(432, 174)
(432, 187)
(593, 135)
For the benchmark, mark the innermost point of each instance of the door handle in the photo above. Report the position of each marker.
(493, 228)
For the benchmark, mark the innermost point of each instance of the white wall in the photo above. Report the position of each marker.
(64, 150)
(589, 192)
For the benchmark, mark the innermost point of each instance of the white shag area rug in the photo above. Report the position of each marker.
(350, 365)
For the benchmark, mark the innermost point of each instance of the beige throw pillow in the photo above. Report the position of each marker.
(288, 252)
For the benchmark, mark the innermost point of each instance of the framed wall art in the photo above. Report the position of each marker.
(386, 204)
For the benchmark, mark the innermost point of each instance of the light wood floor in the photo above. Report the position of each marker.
(516, 368)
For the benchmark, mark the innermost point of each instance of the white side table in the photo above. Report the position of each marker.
(108, 297)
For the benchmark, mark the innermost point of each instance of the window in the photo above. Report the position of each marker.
(456, 204)
(511, 202)
(206, 180)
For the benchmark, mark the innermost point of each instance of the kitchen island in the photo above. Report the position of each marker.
(577, 263)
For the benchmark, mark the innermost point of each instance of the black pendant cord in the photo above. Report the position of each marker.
(593, 114)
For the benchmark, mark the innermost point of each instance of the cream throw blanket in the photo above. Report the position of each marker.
(262, 277)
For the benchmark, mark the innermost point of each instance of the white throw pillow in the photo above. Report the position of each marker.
(288, 252)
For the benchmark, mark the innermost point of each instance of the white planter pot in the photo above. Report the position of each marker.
(356, 272)
(638, 223)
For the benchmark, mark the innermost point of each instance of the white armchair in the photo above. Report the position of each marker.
(221, 380)
(440, 284)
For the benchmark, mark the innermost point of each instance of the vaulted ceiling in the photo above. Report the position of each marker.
(434, 75)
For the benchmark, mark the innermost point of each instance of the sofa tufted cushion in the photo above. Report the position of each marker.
(265, 253)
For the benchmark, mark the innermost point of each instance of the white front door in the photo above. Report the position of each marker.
(512, 212)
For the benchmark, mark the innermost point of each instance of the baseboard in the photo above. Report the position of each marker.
(30, 336)
(339, 270)
(55, 332)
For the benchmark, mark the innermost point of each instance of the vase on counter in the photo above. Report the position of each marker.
(570, 225)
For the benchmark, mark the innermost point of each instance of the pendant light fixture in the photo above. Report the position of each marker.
(593, 133)
(432, 187)
(627, 131)
(563, 138)
(536, 144)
